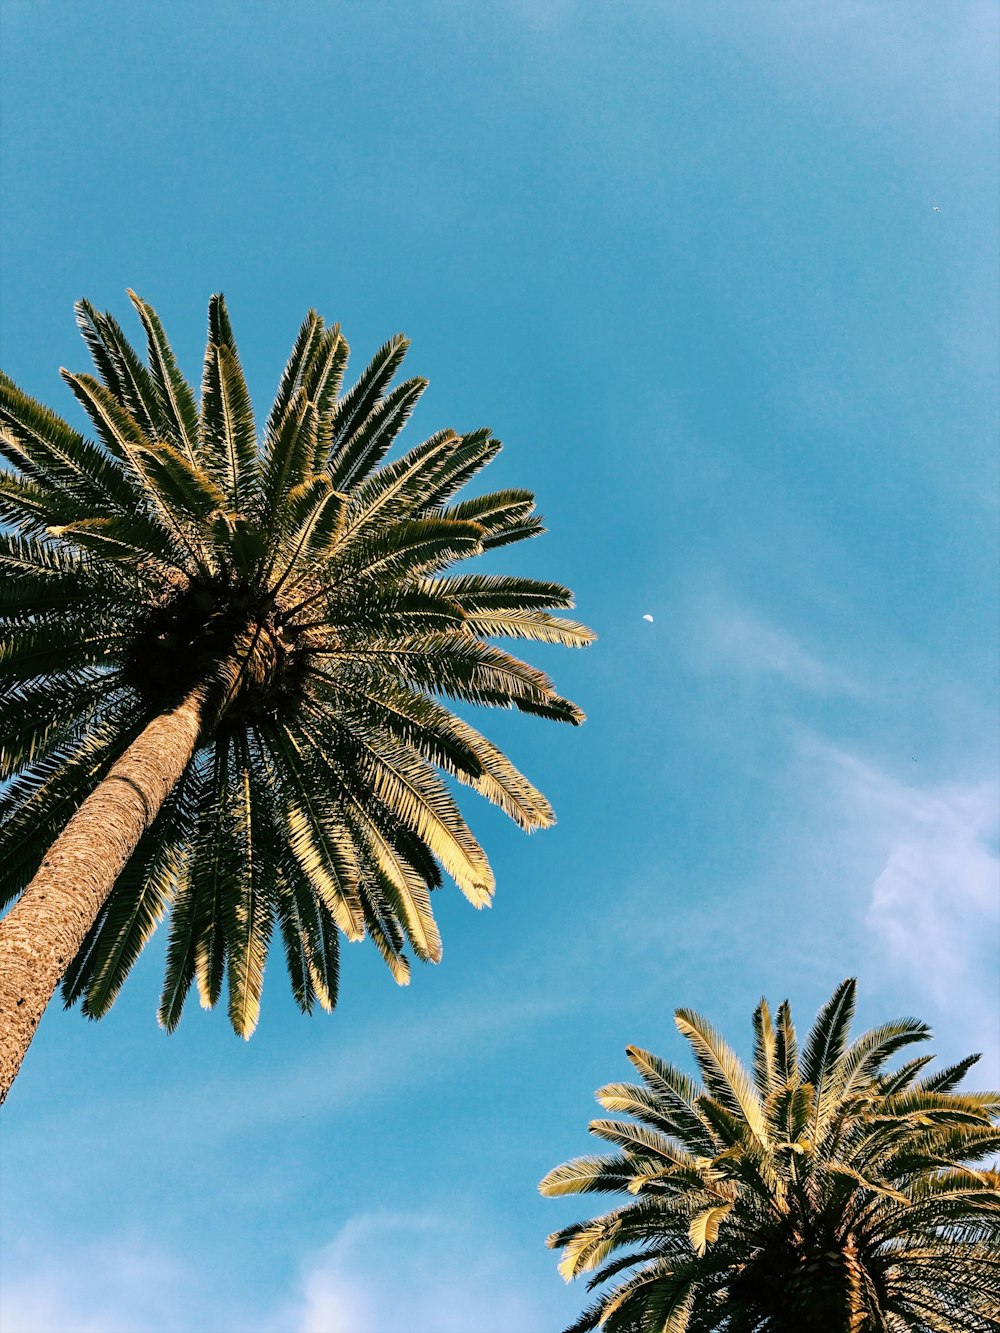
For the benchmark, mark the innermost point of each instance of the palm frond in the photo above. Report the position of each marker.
(179, 412)
(291, 377)
(478, 448)
(505, 516)
(122, 370)
(45, 450)
(724, 1076)
(288, 456)
(215, 867)
(228, 440)
(363, 399)
(422, 804)
(400, 490)
(787, 1047)
(765, 1044)
(136, 905)
(42, 714)
(247, 903)
(367, 443)
(316, 835)
(827, 1040)
(677, 1095)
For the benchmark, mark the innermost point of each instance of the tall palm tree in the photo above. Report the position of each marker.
(219, 674)
(819, 1194)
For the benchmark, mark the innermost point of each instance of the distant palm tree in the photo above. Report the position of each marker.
(218, 667)
(821, 1195)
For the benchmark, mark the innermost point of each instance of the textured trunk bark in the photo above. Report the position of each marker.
(43, 931)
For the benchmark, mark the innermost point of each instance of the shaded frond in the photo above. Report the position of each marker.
(228, 443)
(178, 410)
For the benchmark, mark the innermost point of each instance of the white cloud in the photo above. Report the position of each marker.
(933, 907)
(728, 638)
(409, 1273)
(936, 899)
(382, 1273)
(119, 1286)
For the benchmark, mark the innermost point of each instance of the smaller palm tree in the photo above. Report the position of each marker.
(821, 1194)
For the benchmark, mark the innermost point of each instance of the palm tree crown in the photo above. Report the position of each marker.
(819, 1194)
(295, 587)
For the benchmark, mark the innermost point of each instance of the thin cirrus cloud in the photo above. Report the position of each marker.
(409, 1271)
(727, 638)
(382, 1273)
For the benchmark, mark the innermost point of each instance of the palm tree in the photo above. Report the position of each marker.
(821, 1194)
(220, 665)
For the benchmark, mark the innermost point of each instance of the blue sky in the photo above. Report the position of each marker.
(723, 278)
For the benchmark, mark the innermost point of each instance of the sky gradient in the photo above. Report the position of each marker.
(724, 280)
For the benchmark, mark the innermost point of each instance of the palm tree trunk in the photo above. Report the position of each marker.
(44, 930)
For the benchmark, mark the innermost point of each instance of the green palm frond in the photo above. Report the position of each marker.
(34, 510)
(196, 946)
(422, 804)
(228, 441)
(478, 448)
(678, 1098)
(583, 1175)
(724, 1077)
(121, 370)
(291, 377)
(322, 375)
(178, 412)
(401, 489)
(505, 517)
(786, 1045)
(361, 402)
(315, 832)
(857, 1065)
(302, 581)
(182, 952)
(247, 902)
(368, 443)
(765, 1048)
(136, 905)
(46, 451)
(828, 1037)
(42, 714)
(947, 1079)
(745, 1218)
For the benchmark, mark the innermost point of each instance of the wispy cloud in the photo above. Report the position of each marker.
(355, 1072)
(121, 1285)
(932, 909)
(383, 1272)
(725, 637)
(410, 1273)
